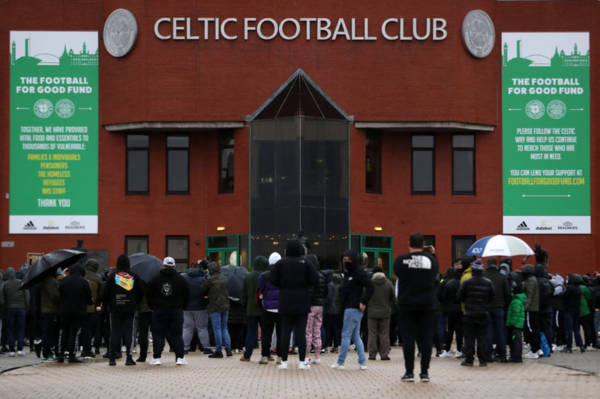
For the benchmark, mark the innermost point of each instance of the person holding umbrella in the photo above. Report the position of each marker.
(75, 296)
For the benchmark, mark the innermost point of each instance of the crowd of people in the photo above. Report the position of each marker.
(290, 305)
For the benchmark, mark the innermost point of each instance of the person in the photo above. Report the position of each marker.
(294, 275)
(448, 290)
(215, 288)
(123, 292)
(585, 312)
(314, 320)
(416, 273)
(356, 292)
(75, 296)
(546, 292)
(91, 327)
(16, 302)
(195, 316)
(331, 311)
(380, 309)
(532, 307)
(268, 296)
(572, 305)
(143, 320)
(168, 295)
(477, 293)
(515, 319)
(497, 328)
(253, 309)
(49, 305)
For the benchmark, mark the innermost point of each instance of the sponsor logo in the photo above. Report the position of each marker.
(523, 226)
(50, 226)
(567, 226)
(74, 225)
(543, 226)
(29, 226)
(476, 250)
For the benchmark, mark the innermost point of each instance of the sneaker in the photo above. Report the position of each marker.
(12, 354)
(155, 362)
(445, 354)
(112, 362)
(216, 355)
(362, 366)
(279, 360)
(229, 353)
(458, 355)
(244, 359)
(582, 349)
(20, 353)
(207, 351)
(372, 358)
(181, 361)
(49, 359)
(408, 377)
(316, 361)
(129, 361)
(334, 349)
(531, 355)
(141, 359)
(540, 352)
(263, 360)
(385, 358)
(304, 366)
(337, 365)
(74, 359)
(466, 363)
(324, 350)
(424, 377)
(283, 365)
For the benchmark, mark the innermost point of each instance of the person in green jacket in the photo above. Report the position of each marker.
(380, 309)
(515, 318)
(253, 310)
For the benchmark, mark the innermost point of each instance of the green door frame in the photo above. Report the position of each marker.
(224, 250)
(377, 250)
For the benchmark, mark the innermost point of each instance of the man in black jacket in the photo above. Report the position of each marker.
(417, 279)
(355, 293)
(451, 304)
(123, 292)
(477, 293)
(75, 295)
(168, 295)
(497, 311)
(294, 275)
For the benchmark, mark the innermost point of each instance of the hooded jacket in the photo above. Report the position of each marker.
(356, 287)
(515, 316)
(531, 289)
(500, 282)
(380, 304)
(215, 287)
(168, 290)
(250, 286)
(49, 295)
(448, 290)
(294, 276)
(544, 287)
(194, 279)
(477, 293)
(75, 293)
(417, 280)
(269, 292)
(119, 299)
(586, 298)
(96, 283)
(572, 295)
(329, 304)
(14, 297)
(319, 291)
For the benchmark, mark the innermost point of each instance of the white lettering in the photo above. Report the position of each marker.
(259, 28)
(224, 27)
(384, 29)
(323, 31)
(308, 21)
(439, 25)
(282, 31)
(416, 34)
(247, 27)
(341, 30)
(156, 31)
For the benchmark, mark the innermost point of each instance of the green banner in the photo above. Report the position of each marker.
(546, 133)
(53, 132)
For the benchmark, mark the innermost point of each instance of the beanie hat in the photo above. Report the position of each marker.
(123, 262)
(477, 265)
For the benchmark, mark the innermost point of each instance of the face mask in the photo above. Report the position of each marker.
(348, 266)
(504, 272)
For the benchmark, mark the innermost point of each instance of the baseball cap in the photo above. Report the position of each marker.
(168, 261)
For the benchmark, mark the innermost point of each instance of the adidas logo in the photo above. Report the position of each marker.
(523, 226)
(29, 226)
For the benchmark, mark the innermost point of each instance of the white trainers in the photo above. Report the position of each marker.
(336, 365)
(283, 365)
(531, 355)
(540, 352)
(362, 366)
(304, 366)
(458, 354)
(181, 361)
(20, 353)
(12, 354)
(445, 354)
(316, 361)
(155, 362)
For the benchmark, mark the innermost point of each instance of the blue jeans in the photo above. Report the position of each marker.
(220, 331)
(497, 332)
(351, 331)
(15, 328)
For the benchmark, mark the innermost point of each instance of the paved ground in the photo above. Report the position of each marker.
(230, 378)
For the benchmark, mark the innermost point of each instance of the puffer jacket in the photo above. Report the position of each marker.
(477, 293)
(96, 284)
(14, 297)
(515, 317)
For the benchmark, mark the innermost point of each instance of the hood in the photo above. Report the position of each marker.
(540, 270)
(355, 264)
(574, 279)
(92, 265)
(522, 297)
(453, 274)
(76, 270)
(527, 270)
(10, 274)
(213, 268)
(378, 278)
(195, 273)
(586, 279)
(261, 264)
(123, 263)
(558, 280)
(294, 248)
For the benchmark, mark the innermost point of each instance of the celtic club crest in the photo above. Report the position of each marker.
(535, 109)
(556, 109)
(64, 108)
(120, 32)
(478, 33)
(43, 108)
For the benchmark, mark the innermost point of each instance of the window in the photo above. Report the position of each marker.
(178, 249)
(423, 165)
(178, 166)
(373, 162)
(460, 245)
(226, 162)
(463, 164)
(137, 164)
(136, 244)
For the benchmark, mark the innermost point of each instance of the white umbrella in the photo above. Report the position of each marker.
(499, 245)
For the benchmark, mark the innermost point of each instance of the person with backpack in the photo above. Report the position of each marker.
(497, 325)
(253, 309)
(123, 292)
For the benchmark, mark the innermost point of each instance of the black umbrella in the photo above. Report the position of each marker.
(235, 280)
(48, 264)
(145, 266)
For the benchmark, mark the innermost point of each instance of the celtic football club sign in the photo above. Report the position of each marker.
(53, 132)
(546, 133)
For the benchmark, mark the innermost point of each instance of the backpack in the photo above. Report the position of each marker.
(124, 293)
